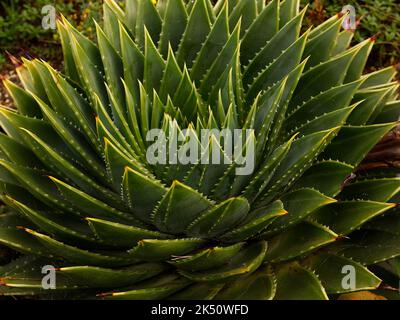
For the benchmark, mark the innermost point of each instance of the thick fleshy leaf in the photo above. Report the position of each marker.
(256, 221)
(121, 235)
(372, 247)
(198, 26)
(298, 160)
(357, 141)
(173, 26)
(375, 189)
(253, 39)
(96, 277)
(160, 288)
(79, 256)
(298, 204)
(180, 206)
(325, 176)
(331, 270)
(344, 217)
(288, 10)
(245, 262)
(159, 250)
(322, 77)
(294, 282)
(260, 285)
(198, 291)
(220, 218)
(207, 259)
(148, 18)
(141, 193)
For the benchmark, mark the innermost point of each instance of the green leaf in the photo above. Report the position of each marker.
(325, 176)
(147, 18)
(180, 206)
(255, 222)
(288, 10)
(91, 206)
(387, 223)
(353, 143)
(159, 250)
(96, 277)
(259, 182)
(38, 185)
(133, 61)
(121, 235)
(278, 69)
(198, 291)
(113, 66)
(69, 63)
(90, 71)
(154, 64)
(220, 64)
(246, 11)
(148, 290)
(220, 218)
(325, 122)
(18, 153)
(381, 190)
(322, 77)
(330, 271)
(260, 285)
(207, 259)
(24, 101)
(297, 283)
(112, 14)
(76, 255)
(214, 43)
(272, 49)
(74, 140)
(390, 113)
(299, 158)
(378, 77)
(372, 247)
(81, 110)
(245, 262)
(343, 42)
(299, 204)
(173, 26)
(141, 193)
(319, 48)
(63, 227)
(197, 29)
(328, 101)
(357, 66)
(344, 217)
(117, 162)
(370, 100)
(21, 241)
(254, 40)
(62, 167)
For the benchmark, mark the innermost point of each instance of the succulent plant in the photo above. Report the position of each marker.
(81, 196)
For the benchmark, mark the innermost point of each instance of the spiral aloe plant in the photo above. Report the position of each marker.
(81, 195)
